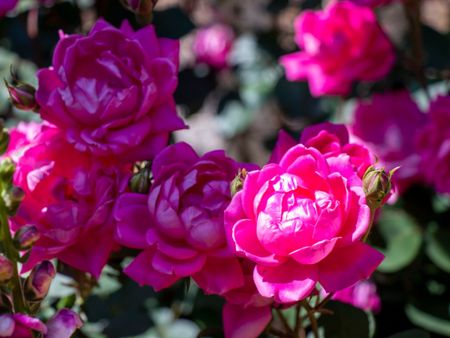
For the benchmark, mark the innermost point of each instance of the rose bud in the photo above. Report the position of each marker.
(25, 237)
(12, 198)
(7, 168)
(6, 269)
(22, 95)
(140, 181)
(238, 181)
(140, 7)
(4, 139)
(63, 324)
(377, 186)
(39, 280)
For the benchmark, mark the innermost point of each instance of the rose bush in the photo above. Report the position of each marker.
(301, 221)
(341, 44)
(110, 103)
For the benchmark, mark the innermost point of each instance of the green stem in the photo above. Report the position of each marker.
(11, 253)
(313, 320)
(284, 322)
(372, 218)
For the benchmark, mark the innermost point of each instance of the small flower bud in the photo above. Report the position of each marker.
(25, 237)
(7, 325)
(238, 181)
(22, 95)
(140, 181)
(4, 139)
(7, 168)
(6, 269)
(63, 324)
(39, 280)
(12, 198)
(142, 8)
(377, 184)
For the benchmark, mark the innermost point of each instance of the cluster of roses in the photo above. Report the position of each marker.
(298, 222)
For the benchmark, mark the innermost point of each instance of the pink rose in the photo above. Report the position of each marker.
(331, 140)
(20, 326)
(109, 102)
(388, 124)
(20, 137)
(301, 221)
(179, 225)
(434, 145)
(212, 45)
(362, 295)
(7, 5)
(340, 45)
(63, 324)
(69, 198)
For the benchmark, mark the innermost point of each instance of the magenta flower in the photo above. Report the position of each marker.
(301, 221)
(109, 102)
(388, 124)
(69, 198)
(20, 326)
(212, 45)
(179, 225)
(7, 5)
(332, 140)
(20, 137)
(340, 45)
(362, 295)
(434, 145)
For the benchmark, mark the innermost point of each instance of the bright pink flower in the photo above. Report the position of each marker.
(20, 326)
(179, 225)
(246, 313)
(434, 145)
(69, 197)
(109, 102)
(340, 45)
(332, 140)
(388, 124)
(362, 295)
(301, 221)
(7, 5)
(212, 45)
(63, 324)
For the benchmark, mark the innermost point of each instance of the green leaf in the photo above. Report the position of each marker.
(411, 334)
(432, 315)
(346, 322)
(403, 238)
(438, 247)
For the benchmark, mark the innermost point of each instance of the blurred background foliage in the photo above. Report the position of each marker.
(240, 108)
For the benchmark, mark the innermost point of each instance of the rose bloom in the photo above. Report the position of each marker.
(20, 137)
(387, 124)
(109, 102)
(69, 197)
(341, 44)
(301, 221)
(179, 224)
(434, 145)
(212, 45)
(19, 325)
(7, 5)
(362, 295)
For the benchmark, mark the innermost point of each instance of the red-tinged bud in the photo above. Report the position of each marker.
(25, 237)
(39, 280)
(6, 269)
(140, 7)
(22, 95)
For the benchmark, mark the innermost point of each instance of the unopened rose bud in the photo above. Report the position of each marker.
(140, 181)
(25, 237)
(238, 182)
(377, 184)
(12, 198)
(6, 269)
(22, 95)
(63, 324)
(140, 7)
(7, 168)
(4, 139)
(39, 280)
